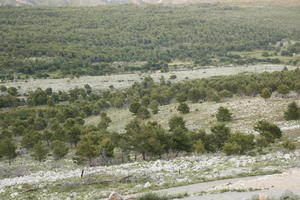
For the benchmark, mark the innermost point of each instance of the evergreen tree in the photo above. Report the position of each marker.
(143, 113)
(105, 121)
(266, 93)
(183, 108)
(293, 112)
(268, 130)
(283, 89)
(223, 115)
(154, 106)
(8, 149)
(180, 140)
(59, 148)
(134, 107)
(221, 134)
(88, 147)
(175, 122)
(39, 152)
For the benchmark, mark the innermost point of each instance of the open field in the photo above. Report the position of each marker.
(126, 80)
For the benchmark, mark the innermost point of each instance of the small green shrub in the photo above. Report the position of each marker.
(152, 196)
(290, 145)
(231, 148)
(183, 108)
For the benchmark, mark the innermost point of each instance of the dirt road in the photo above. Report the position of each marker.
(268, 185)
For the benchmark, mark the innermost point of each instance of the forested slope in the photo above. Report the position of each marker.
(86, 40)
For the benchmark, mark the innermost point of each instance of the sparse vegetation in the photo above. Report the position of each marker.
(176, 128)
(223, 115)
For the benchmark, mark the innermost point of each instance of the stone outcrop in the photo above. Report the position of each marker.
(115, 196)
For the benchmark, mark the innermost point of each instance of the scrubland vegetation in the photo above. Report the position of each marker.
(55, 120)
(150, 133)
(57, 42)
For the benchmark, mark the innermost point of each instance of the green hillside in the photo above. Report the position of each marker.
(87, 40)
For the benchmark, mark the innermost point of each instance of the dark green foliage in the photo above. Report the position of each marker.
(268, 130)
(293, 112)
(223, 115)
(145, 139)
(180, 140)
(195, 95)
(283, 89)
(183, 108)
(221, 134)
(297, 87)
(9, 101)
(266, 93)
(143, 113)
(181, 97)
(59, 148)
(12, 91)
(8, 149)
(39, 152)
(154, 106)
(246, 142)
(175, 122)
(230, 148)
(105, 121)
(107, 34)
(65, 122)
(225, 93)
(30, 138)
(134, 107)
(73, 134)
(94, 144)
(38, 97)
(3, 88)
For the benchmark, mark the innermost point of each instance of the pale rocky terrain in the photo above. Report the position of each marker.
(164, 173)
(126, 80)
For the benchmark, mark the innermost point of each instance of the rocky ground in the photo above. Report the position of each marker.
(126, 80)
(99, 182)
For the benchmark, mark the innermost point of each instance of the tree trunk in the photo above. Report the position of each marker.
(82, 171)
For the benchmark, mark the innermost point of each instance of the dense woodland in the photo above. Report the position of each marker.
(55, 120)
(76, 41)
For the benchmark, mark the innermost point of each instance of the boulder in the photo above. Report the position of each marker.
(115, 196)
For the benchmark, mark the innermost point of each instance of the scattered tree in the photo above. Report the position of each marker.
(59, 148)
(221, 134)
(105, 121)
(293, 112)
(39, 152)
(183, 108)
(223, 115)
(175, 122)
(268, 130)
(8, 149)
(266, 93)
